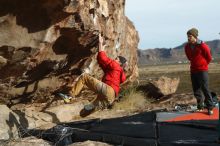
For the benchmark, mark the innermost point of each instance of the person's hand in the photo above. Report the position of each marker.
(125, 66)
(101, 47)
(100, 39)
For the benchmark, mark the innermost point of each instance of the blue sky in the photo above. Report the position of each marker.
(164, 23)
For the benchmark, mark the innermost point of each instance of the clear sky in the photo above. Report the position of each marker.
(164, 23)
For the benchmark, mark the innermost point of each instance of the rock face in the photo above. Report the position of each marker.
(45, 44)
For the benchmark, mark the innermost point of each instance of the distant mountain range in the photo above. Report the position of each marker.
(172, 55)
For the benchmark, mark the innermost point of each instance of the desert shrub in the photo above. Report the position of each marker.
(131, 99)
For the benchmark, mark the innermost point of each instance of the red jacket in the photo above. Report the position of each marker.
(199, 56)
(113, 72)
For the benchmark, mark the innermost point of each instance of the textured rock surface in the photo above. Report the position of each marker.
(9, 124)
(90, 143)
(65, 113)
(27, 142)
(45, 44)
(160, 87)
(167, 85)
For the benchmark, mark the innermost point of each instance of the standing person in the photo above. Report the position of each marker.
(199, 56)
(109, 87)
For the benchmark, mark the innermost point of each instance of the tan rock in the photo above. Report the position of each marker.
(161, 87)
(90, 143)
(65, 113)
(59, 39)
(29, 141)
(9, 124)
(45, 117)
(167, 85)
(3, 61)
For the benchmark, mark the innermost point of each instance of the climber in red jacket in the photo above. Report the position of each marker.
(108, 88)
(199, 56)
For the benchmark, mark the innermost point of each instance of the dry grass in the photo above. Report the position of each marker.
(132, 100)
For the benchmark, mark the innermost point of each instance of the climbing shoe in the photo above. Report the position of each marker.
(65, 97)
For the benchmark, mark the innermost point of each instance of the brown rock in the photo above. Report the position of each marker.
(48, 43)
(167, 85)
(160, 87)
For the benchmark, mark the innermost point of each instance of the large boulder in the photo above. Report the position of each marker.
(38, 117)
(13, 124)
(46, 44)
(160, 87)
(166, 85)
(9, 124)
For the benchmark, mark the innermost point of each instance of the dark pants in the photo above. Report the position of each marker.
(200, 85)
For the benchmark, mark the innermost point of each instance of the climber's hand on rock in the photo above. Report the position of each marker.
(101, 47)
(100, 39)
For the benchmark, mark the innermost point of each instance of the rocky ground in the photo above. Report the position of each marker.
(45, 115)
(154, 95)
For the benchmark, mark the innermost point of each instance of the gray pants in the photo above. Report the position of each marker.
(200, 85)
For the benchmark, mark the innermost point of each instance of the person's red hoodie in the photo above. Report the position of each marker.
(199, 56)
(113, 72)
